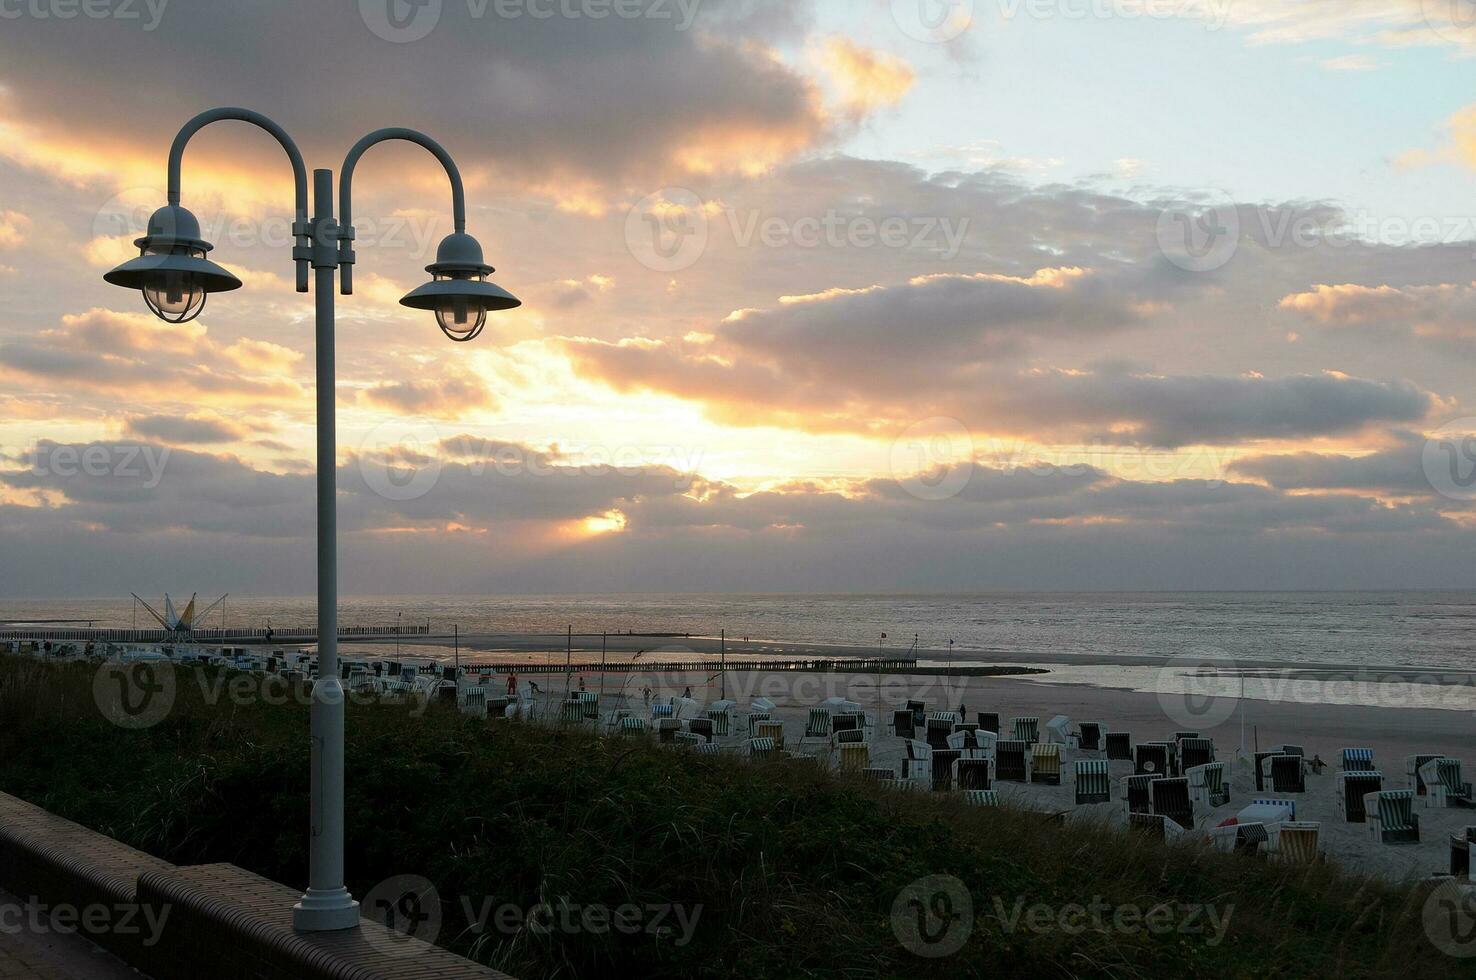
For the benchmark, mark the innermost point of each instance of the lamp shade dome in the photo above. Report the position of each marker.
(171, 268)
(459, 293)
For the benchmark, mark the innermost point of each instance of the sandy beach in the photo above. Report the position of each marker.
(1392, 731)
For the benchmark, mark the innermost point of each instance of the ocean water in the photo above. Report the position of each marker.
(1377, 629)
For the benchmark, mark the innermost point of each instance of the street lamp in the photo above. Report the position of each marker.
(175, 277)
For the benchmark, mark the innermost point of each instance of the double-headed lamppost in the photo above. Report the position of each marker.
(175, 277)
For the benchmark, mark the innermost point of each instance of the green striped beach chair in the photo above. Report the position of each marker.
(1118, 746)
(761, 747)
(571, 712)
(1012, 761)
(687, 740)
(819, 724)
(1357, 760)
(1195, 751)
(754, 720)
(1137, 791)
(1171, 799)
(1026, 729)
(981, 797)
(940, 725)
(721, 720)
(1352, 788)
(1093, 781)
(632, 726)
(1207, 784)
(708, 748)
(972, 773)
(1443, 783)
(1391, 816)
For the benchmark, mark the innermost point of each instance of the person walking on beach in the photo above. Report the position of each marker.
(646, 695)
(533, 689)
(688, 692)
(512, 684)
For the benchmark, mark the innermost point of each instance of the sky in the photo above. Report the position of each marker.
(876, 295)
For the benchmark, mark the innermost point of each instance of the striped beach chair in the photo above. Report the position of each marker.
(667, 729)
(1089, 737)
(1093, 781)
(1154, 825)
(1241, 838)
(1460, 853)
(1391, 818)
(571, 712)
(989, 721)
(709, 748)
(662, 711)
(1171, 800)
(1357, 760)
(903, 724)
(761, 748)
(848, 721)
(1443, 784)
(1025, 729)
(1012, 761)
(854, 758)
(981, 797)
(848, 736)
(755, 719)
(1045, 763)
(721, 720)
(1287, 774)
(1297, 842)
(1352, 788)
(1412, 766)
(1195, 751)
(1118, 746)
(917, 762)
(939, 727)
(591, 702)
(687, 740)
(773, 730)
(819, 724)
(631, 725)
(943, 760)
(876, 772)
(973, 743)
(474, 702)
(701, 727)
(1207, 784)
(1151, 758)
(972, 773)
(1137, 790)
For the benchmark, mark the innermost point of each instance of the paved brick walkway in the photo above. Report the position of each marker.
(27, 955)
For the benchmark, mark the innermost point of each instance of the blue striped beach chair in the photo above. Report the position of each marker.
(1025, 729)
(761, 748)
(1207, 784)
(633, 726)
(981, 797)
(1093, 781)
(662, 711)
(1352, 788)
(1391, 818)
(1357, 760)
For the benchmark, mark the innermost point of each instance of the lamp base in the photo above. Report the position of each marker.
(325, 911)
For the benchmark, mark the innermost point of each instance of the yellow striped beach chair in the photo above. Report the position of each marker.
(1045, 763)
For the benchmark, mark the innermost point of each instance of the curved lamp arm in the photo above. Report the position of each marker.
(345, 193)
(301, 229)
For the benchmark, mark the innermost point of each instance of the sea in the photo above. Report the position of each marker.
(1373, 629)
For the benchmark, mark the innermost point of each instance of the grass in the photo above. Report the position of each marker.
(791, 872)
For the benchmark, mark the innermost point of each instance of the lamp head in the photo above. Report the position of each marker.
(171, 268)
(459, 292)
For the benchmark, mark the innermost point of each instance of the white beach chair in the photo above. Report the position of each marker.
(917, 763)
(977, 744)
(1056, 730)
(1207, 784)
(1443, 784)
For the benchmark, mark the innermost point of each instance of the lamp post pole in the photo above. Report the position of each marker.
(175, 277)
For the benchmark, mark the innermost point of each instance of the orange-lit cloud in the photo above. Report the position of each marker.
(865, 79)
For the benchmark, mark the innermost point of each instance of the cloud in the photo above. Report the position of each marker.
(866, 79)
(1397, 469)
(185, 429)
(1446, 311)
(451, 397)
(13, 228)
(1351, 63)
(262, 357)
